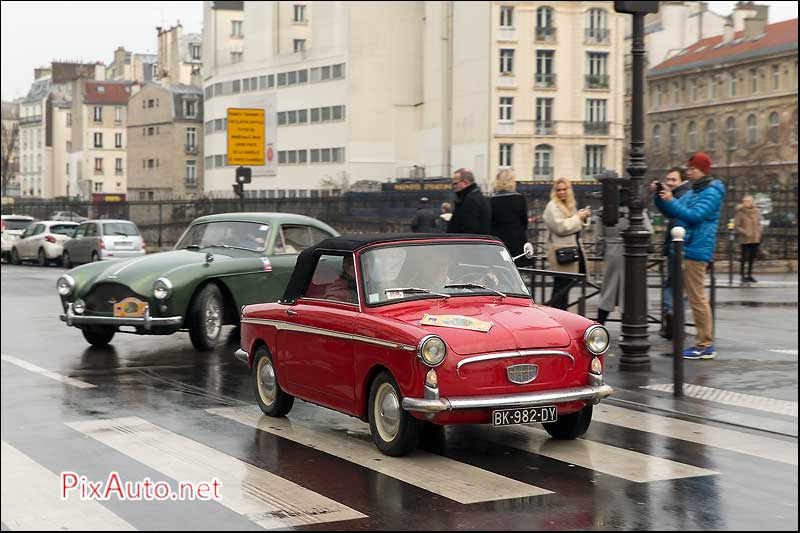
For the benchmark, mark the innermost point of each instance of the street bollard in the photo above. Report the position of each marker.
(678, 315)
(731, 237)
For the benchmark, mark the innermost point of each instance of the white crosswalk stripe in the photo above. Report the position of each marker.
(787, 352)
(771, 405)
(619, 462)
(735, 441)
(32, 501)
(449, 478)
(266, 499)
(46, 373)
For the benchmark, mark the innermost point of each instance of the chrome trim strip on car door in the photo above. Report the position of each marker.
(507, 355)
(288, 326)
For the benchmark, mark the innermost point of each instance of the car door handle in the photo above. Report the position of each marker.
(291, 313)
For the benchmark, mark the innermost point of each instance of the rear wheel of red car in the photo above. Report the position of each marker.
(571, 426)
(206, 318)
(393, 429)
(99, 335)
(269, 394)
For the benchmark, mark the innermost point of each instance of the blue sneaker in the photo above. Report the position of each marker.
(699, 353)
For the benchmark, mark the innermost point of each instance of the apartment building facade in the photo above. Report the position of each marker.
(734, 96)
(180, 58)
(165, 149)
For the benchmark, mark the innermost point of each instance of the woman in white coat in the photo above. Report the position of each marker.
(564, 249)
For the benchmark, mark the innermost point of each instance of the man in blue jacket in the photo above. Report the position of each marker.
(698, 212)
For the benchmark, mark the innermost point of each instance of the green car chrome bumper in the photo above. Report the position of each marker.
(146, 321)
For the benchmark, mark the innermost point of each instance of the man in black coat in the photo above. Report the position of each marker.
(472, 213)
(425, 220)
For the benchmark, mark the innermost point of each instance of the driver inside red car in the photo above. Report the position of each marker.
(344, 288)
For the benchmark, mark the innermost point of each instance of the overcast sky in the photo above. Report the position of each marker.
(35, 33)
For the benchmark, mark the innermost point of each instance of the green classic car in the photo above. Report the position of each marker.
(221, 263)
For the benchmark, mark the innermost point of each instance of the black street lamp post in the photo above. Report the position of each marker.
(635, 343)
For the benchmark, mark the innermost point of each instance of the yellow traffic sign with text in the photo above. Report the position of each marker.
(245, 137)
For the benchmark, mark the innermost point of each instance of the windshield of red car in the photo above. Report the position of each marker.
(433, 266)
(249, 235)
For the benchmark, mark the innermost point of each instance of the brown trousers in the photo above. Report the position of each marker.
(695, 272)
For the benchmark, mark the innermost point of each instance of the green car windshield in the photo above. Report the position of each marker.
(243, 235)
(397, 273)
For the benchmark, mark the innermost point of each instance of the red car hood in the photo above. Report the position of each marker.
(514, 327)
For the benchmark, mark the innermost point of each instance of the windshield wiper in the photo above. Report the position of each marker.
(416, 290)
(122, 233)
(473, 286)
(198, 247)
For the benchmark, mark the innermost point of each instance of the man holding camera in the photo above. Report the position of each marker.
(675, 181)
(698, 212)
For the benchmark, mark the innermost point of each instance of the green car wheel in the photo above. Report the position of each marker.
(206, 318)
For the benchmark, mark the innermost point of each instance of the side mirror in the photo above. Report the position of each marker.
(527, 251)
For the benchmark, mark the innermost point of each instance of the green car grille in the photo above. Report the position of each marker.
(102, 298)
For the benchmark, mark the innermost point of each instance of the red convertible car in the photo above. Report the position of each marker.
(403, 330)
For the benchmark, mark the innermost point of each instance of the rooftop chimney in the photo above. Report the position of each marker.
(755, 25)
(41, 72)
(727, 31)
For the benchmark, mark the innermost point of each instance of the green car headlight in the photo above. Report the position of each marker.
(596, 339)
(432, 350)
(65, 285)
(162, 289)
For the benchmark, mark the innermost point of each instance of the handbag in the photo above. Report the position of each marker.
(565, 256)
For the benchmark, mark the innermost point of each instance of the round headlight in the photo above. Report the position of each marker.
(597, 339)
(162, 289)
(65, 285)
(432, 350)
(79, 306)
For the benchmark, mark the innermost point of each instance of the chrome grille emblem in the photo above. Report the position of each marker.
(522, 374)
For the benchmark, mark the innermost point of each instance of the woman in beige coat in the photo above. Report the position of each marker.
(748, 233)
(564, 223)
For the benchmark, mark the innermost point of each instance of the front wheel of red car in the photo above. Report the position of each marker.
(393, 429)
(571, 426)
(271, 398)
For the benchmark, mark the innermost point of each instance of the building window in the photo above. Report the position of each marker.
(506, 17)
(691, 136)
(506, 108)
(752, 130)
(732, 84)
(730, 126)
(597, 26)
(98, 114)
(117, 140)
(98, 165)
(676, 92)
(299, 13)
(194, 48)
(773, 133)
(543, 162)
(544, 116)
(190, 108)
(98, 140)
(191, 138)
(673, 138)
(299, 45)
(236, 28)
(69, 146)
(659, 95)
(711, 135)
(753, 81)
(69, 120)
(657, 138)
(506, 153)
(594, 160)
(118, 165)
(506, 61)
(118, 114)
(693, 89)
(776, 77)
(545, 73)
(236, 57)
(544, 23)
(596, 67)
(712, 88)
(596, 110)
(98, 186)
(191, 172)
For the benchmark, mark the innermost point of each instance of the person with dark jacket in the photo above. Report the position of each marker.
(472, 213)
(698, 212)
(675, 181)
(425, 219)
(509, 214)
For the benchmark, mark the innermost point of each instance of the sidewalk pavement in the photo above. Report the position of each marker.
(752, 382)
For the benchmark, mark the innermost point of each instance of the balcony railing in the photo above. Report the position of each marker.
(542, 172)
(30, 120)
(98, 172)
(545, 127)
(597, 35)
(191, 149)
(591, 172)
(597, 81)
(118, 172)
(595, 128)
(546, 34)
(545, 80)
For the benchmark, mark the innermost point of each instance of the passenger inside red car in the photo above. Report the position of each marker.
(344, 288)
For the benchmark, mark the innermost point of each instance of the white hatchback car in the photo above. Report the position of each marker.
(42, 241)
(11, 228)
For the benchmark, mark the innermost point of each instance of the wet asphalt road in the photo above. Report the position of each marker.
(175, 413)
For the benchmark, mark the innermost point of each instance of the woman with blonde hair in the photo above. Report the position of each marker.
(564, 249)
(509, 214)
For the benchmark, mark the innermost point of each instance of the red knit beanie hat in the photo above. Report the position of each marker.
(701, 162)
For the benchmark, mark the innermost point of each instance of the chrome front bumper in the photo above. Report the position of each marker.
(242, 356)
(145, 322)
(592, 393)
